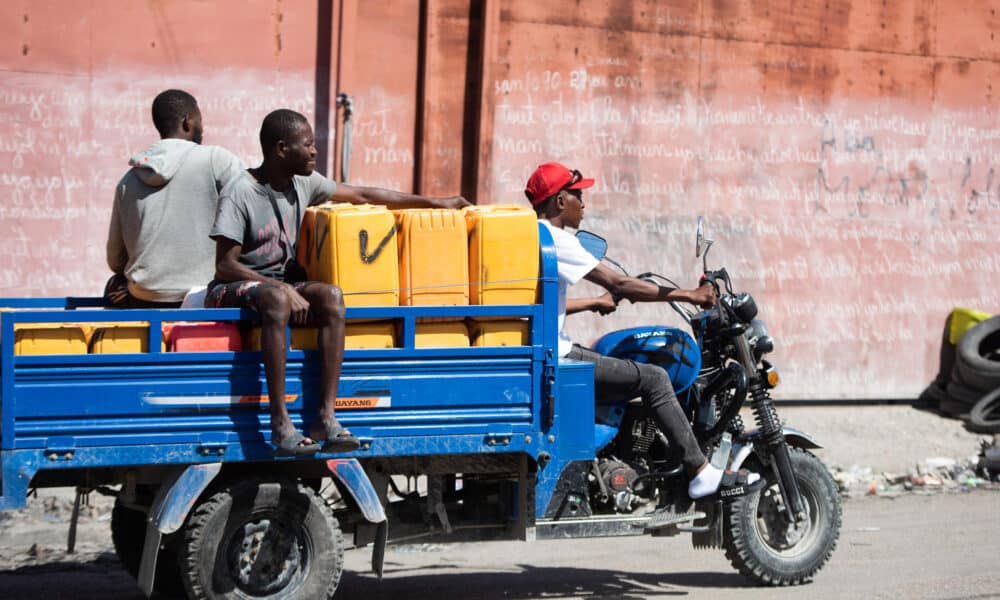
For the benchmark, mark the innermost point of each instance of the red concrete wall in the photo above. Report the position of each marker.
(76, 83)
(843, 152)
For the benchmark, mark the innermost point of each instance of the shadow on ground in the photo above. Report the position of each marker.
(531, 582)
(104, 579)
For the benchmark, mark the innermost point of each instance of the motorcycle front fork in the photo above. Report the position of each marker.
(773, 439)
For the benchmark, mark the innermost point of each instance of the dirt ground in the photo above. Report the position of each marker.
(861, 442)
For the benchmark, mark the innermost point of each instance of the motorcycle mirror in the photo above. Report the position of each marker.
(593, 244)
(701, 242)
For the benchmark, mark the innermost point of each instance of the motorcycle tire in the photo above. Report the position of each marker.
(985, 414)
(977, 357)
(763, 546)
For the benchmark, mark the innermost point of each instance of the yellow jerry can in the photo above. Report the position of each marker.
(444, 334)
(503, 254)
(433, 257)
(122, 338)
(511, 332)
(355, 248)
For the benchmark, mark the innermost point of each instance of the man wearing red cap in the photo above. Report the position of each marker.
(556, 193)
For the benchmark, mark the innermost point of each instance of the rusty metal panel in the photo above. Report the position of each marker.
(676, 17)
(378, 68)
(843, 158)
(75, 101)
(44, 36)
(967, 29)
(448, 85)
(844, 152)
(196, 36)
(899, 26)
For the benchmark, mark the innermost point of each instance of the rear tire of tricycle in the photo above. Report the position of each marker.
(760, 542)
(262, 539)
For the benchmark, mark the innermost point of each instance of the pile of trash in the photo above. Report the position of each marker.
(932, 475)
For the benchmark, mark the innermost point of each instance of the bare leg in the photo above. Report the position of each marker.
(275, 311)
(327, 313)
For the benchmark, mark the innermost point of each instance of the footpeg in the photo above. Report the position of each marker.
(663, 519)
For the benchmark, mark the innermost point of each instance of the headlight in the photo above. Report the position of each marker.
(743, 306)
(760, 341)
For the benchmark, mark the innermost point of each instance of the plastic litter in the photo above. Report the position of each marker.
(930, 476)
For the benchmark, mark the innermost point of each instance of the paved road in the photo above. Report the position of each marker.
(944, 546)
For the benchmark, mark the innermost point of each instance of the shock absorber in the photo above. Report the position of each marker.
(773, 437)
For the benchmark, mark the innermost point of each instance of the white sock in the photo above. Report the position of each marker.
(705, 483)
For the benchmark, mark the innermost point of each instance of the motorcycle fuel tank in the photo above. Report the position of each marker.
(667, 347)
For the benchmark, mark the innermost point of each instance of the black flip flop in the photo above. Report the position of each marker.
(735, 484)
(339, 439)
(291, 445)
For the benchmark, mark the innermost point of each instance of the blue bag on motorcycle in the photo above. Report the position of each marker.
(667, 347)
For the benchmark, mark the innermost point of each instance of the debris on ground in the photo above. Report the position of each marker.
(931, 475)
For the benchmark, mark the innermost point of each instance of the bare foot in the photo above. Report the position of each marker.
(335, 436)
(286, 431)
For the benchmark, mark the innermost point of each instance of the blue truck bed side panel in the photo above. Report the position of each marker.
(81, 411)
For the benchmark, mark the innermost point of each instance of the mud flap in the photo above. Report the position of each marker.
(353, 479)
(147, 566)
(378, 552)
(171, 506)
(707, 533)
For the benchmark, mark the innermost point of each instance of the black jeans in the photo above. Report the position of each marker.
(627, 379)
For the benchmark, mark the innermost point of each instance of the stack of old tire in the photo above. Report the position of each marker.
(968, 382)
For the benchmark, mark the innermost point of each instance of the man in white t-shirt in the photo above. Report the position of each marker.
(556, 193)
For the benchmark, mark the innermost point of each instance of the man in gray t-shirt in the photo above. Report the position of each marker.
(266, 220)
(256, 230)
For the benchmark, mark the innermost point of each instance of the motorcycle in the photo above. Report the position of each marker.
(781, 534)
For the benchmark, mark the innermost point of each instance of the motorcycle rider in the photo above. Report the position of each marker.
(556, 194)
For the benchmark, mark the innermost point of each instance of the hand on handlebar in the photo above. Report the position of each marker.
(704, 296)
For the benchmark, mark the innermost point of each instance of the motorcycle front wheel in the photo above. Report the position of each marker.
(762, 544)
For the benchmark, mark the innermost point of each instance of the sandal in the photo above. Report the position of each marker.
(291, 445)
(339, 439)
(737, 483)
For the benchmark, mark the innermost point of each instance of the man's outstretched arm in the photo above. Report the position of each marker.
(637, 290)
(392, 198)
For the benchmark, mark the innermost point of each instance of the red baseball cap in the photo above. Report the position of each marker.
(550, 178)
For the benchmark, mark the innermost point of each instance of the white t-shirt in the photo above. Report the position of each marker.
(574, 264)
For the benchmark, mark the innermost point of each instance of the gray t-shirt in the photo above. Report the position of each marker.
(248, 215)
(162, 216)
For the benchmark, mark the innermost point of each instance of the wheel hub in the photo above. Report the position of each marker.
(775, 528)
(265, 556)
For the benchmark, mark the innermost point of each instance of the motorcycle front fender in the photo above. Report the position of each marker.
(800, 439)
(793, 437)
